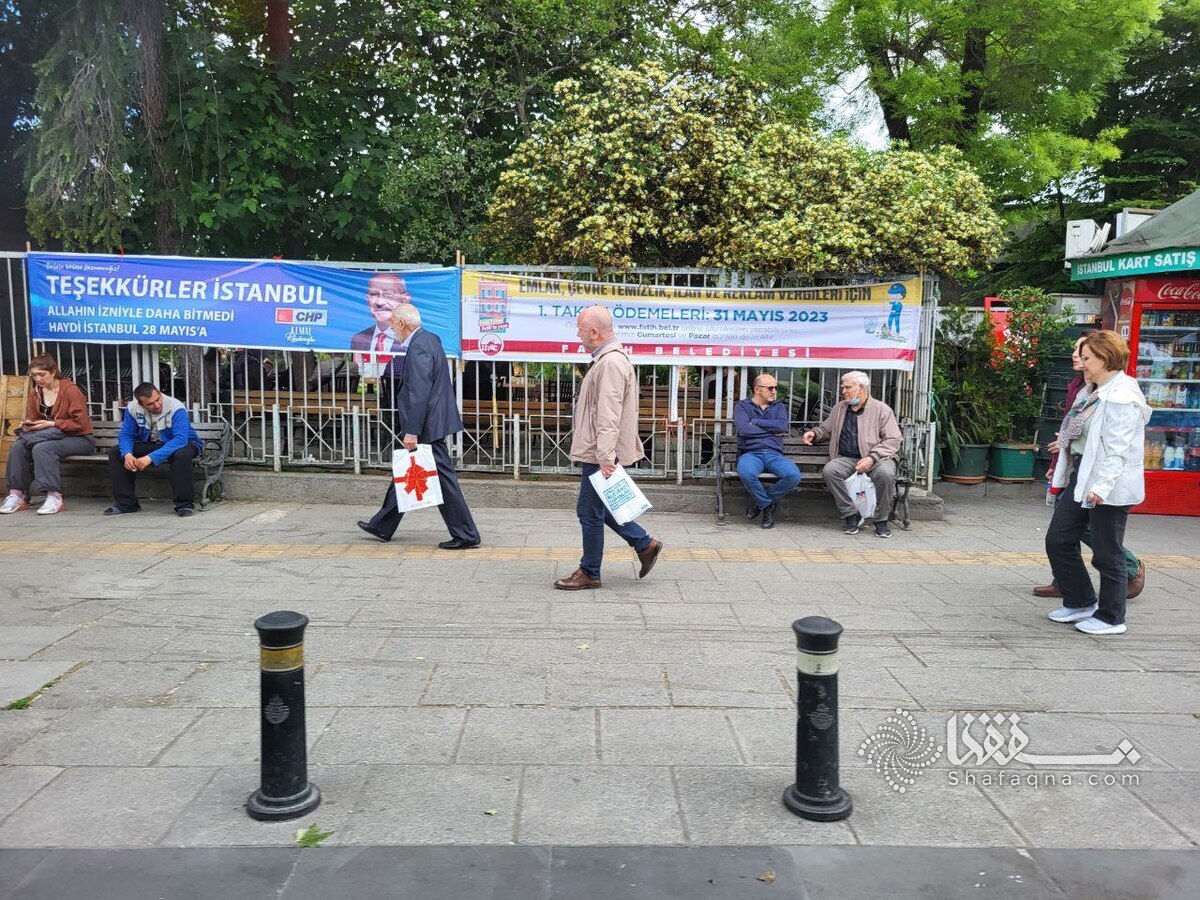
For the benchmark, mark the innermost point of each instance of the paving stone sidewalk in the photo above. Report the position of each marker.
(456, 699)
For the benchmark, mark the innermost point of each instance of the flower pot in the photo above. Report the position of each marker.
(971, 467)
(1011, 462)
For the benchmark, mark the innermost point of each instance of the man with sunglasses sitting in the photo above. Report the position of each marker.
(761, 421)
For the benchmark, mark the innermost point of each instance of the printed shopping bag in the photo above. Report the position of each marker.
(862, 493)
(415, 476)
(621, 496)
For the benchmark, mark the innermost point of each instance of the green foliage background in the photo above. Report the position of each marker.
(385, 133)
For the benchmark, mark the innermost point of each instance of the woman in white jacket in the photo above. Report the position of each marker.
(1100, 452)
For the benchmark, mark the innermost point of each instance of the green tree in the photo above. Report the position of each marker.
(629, 171)
(798, 202)
(1012, 85)
(80, 181)
(26, 31)
(480, 73)
(653, 167)
(1157, 104)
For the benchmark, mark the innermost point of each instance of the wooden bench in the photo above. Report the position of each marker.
(810, 461)
(216, 436)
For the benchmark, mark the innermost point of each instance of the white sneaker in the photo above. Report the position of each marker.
(1093, 625)
(51, 506)
(13, 503)
(1073, 613)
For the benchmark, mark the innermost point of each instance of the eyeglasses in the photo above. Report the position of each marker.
(769, 387)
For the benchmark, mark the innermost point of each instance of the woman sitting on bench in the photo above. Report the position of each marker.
(56, 425)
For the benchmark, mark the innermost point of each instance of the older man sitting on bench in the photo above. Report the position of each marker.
(863, 436)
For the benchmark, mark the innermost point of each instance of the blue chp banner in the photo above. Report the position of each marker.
(234, 303)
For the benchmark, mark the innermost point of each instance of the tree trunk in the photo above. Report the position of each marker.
(880, 77)
(279, 52)
(973, 69)
(146, 18)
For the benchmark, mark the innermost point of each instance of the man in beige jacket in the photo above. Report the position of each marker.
(863, 436)
(603, 436)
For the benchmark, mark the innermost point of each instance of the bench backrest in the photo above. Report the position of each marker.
(215, 435)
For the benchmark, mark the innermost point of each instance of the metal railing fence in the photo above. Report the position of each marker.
(295, 408)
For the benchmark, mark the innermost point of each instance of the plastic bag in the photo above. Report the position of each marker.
(862, 493)
(414, 474)
(621, 496)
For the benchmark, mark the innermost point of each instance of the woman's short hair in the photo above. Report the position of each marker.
(46, 363)
(1110, 348)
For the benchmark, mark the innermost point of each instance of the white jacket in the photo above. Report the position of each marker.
(1113, 455)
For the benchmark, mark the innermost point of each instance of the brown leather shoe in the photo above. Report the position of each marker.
(577, 581)
(1137, 582)
(1048, 590)
(649, 557)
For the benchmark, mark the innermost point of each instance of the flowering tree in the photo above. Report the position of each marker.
(688, 169)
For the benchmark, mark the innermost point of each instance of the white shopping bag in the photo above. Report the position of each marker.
(621, 496)
(862, 493)
(415, 476)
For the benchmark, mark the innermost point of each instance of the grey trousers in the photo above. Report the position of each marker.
(37, 456)
(882, 475)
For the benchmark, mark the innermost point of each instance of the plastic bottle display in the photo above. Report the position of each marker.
(1192, 463)
(1168, 370)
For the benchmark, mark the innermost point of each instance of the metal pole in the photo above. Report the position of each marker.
(355, 438)
(931, 449)
(816, 795)
(276, 438)
(286, 792)
(679, 451)
(516, 448)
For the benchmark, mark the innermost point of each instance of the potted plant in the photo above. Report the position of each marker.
(967, 424)
(1033, 333)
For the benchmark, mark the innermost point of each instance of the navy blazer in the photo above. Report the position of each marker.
(425, 401)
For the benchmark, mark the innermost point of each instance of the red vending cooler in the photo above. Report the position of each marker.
(1160, 317)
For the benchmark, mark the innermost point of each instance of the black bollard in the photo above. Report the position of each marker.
(816, 794)
(285, 792)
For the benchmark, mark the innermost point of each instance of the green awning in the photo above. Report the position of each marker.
(1167, 242)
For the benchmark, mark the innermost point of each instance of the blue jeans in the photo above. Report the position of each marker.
(593, 516)
(753, 463)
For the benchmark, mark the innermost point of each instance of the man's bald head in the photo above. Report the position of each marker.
(594, 326)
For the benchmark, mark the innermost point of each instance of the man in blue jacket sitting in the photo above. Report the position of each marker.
(761, 421)
(156, 430)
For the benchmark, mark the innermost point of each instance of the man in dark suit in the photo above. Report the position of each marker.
(386, 292)
(428, 414)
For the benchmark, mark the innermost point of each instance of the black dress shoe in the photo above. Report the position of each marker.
(366, 526)
(456, 544)
(769, 516)
(752, 512)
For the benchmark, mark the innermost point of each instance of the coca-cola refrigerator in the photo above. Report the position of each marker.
(1160, 318)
